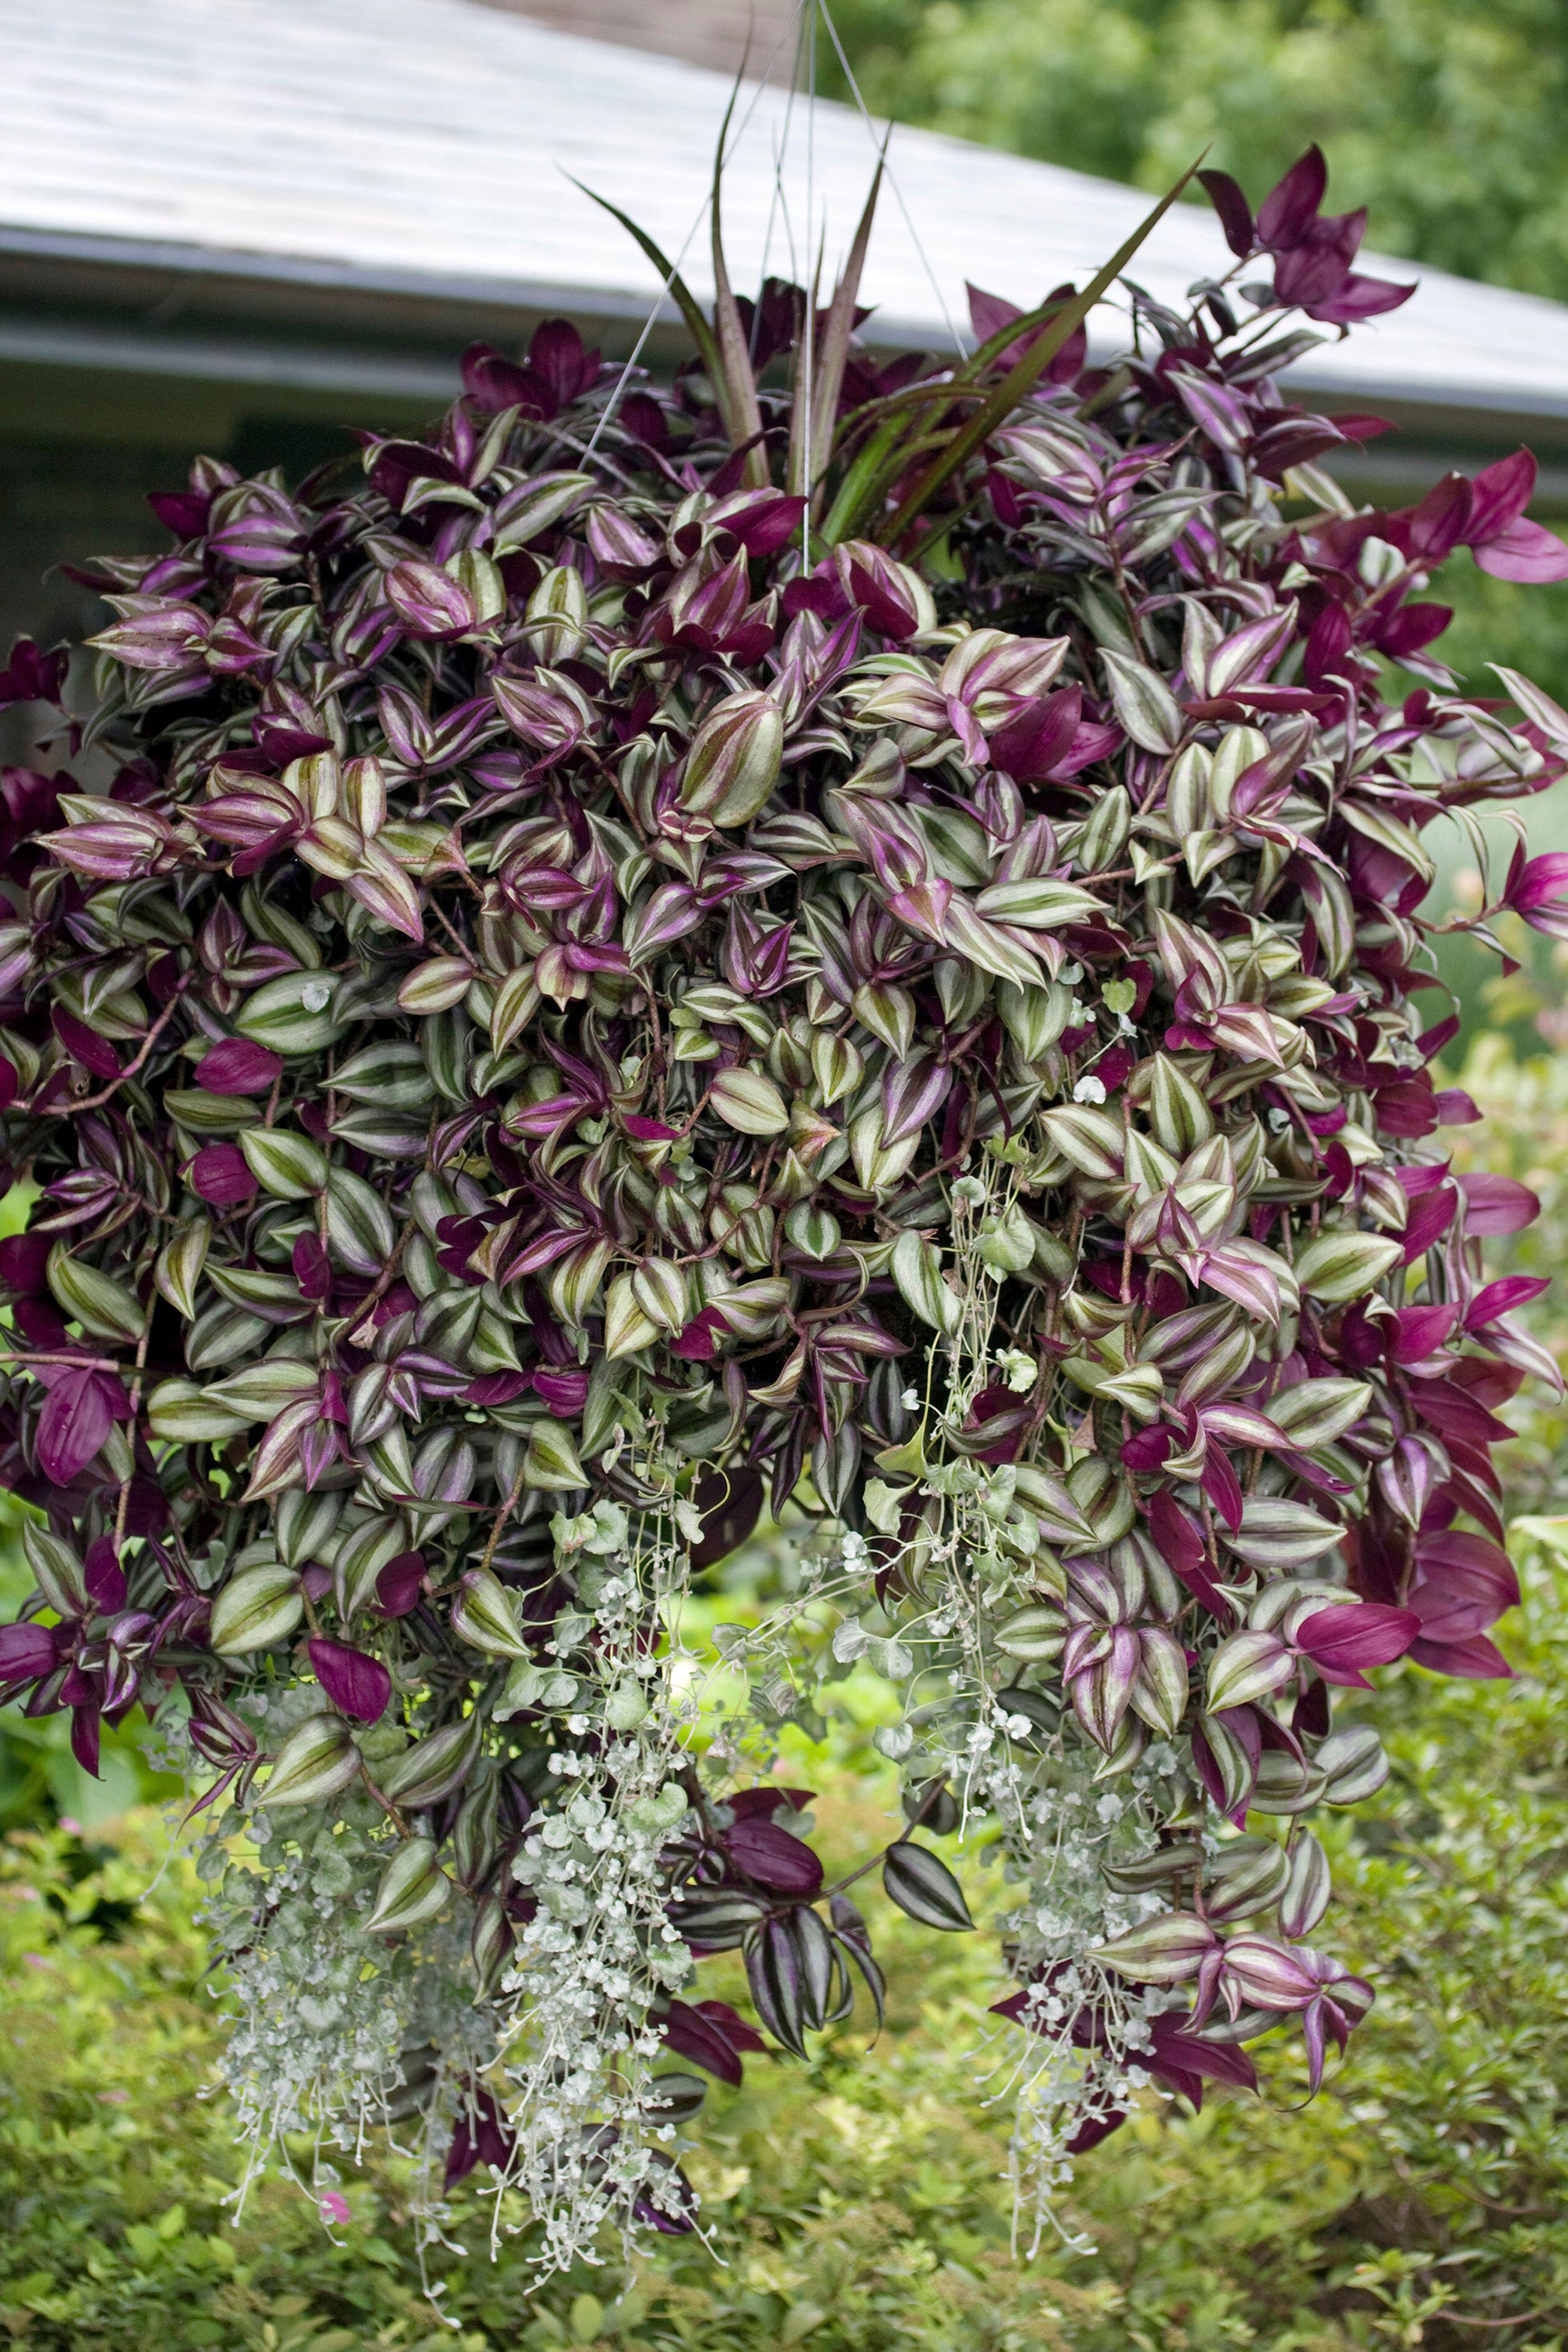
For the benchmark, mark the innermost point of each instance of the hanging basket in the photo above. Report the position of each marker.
(835, 949)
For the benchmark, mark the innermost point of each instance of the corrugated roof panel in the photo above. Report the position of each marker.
(432, 143)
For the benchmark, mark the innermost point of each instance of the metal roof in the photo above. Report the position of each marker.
(290, 188)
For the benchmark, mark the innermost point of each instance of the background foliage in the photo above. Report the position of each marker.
(1448, 119)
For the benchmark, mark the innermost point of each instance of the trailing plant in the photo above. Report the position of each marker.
(835, 936)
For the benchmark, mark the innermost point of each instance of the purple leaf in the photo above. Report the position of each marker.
(480, 2136)
(238, 1067)
(1234, 212)
(1501, 1297)
(84, 1738)
(772, 1857)
(1496, 1205)
(84, 1045)
(1540, 887)
(1526, 551)
(1357, 297)
(356, 1684)
(27, 1653)
(1342, 1640)
(400, 1583)
(497, 1387)
(705, 2040)
(103, 1576)
(1499, 494)
(24, 1259)
(1184, 2061)
(731, 1503)
(78, 1413)
(312, 1268)
(1290, 208)
(220, 1174)
(1472, 1655)
(564, 1390)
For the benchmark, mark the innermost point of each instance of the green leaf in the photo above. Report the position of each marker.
(1037, 905)
(179, 1413)
(436, 986)
(315, 1761)
(552, 1462)
(1246, 1666)
(1339, 1266)
(94, 1300)
(434, 1767)
(293, 1014)
(1279, 1534)
(749, 1102)
(56, 1566)
(923, 1884)
(1090, 1141)
(1167, 1951)
(1034, 1636)
(917, 1270)
(412, 1889)
(290, 1167)
(1315, 1412)
(261, 1606)
(696, 326)
(261, 1389)
(1143, 702)
(485, 1616)
(179, 1266)
(360, 1231)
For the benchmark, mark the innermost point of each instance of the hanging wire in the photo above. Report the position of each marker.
(801, 29)
(779, 200)
(881, 145)
(808, 332)
(663, 295)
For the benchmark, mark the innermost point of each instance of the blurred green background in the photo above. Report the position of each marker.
(860, 2204)
(1449, 119)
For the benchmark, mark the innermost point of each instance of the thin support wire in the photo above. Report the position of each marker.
(808, 335)
(802, 30)
(662, 296)
(881, 146)
(781, 148)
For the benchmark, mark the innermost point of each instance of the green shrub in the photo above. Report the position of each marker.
(1430, 2196)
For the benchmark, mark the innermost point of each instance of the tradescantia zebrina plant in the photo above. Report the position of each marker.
(849, 947)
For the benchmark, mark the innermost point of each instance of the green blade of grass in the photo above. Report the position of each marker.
(1022, 377)
(833, 354)
(701, 333)
(737, 383)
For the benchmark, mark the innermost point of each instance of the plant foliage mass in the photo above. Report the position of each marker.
(845, 938)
